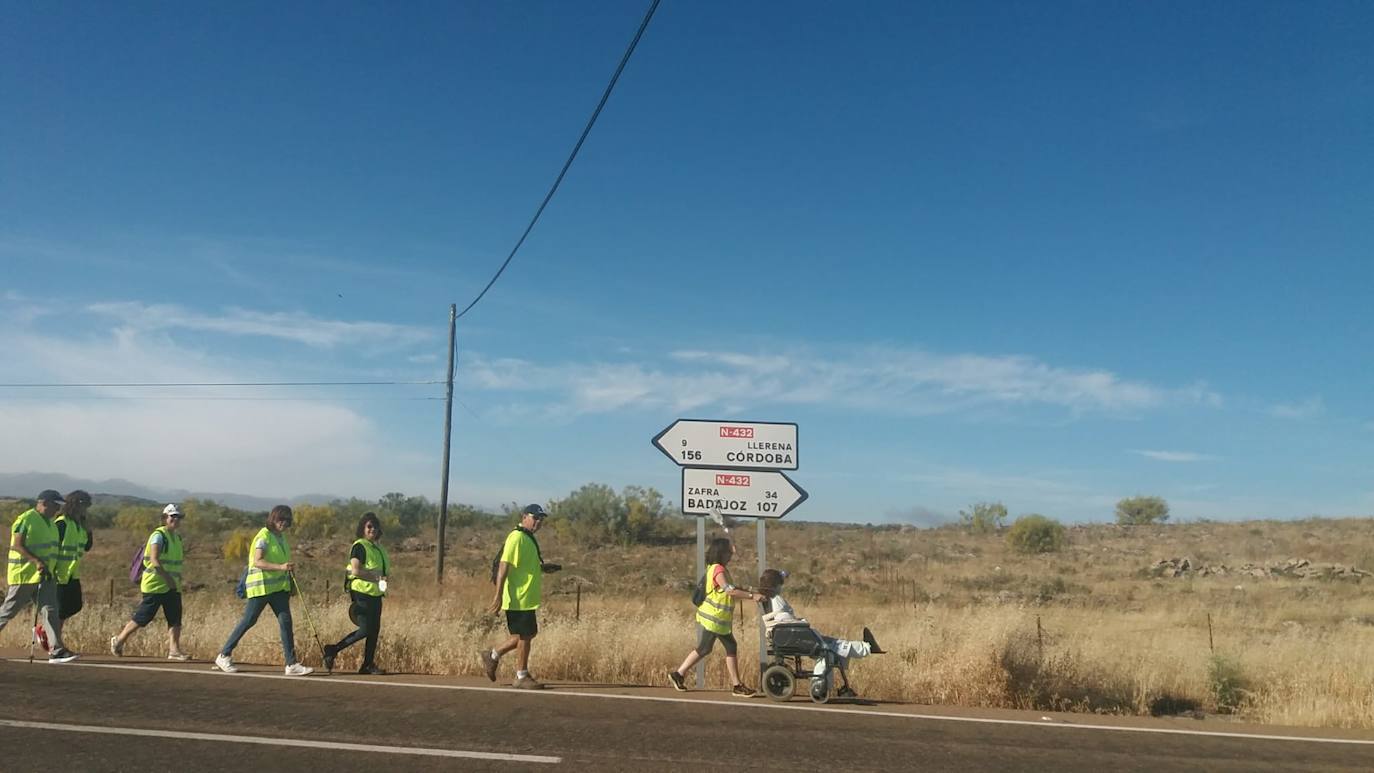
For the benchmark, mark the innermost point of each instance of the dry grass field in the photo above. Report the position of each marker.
(967, 621)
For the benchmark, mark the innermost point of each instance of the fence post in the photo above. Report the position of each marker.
(577, 613)
(1040, 639)
(111, 591)
(1211, 644)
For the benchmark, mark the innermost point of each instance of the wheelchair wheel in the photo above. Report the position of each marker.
(779, 683)
(820, 689)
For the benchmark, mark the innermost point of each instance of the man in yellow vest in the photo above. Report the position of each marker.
(519, 577)
(32, 556)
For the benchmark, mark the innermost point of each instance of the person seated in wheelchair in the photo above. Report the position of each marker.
(777, 612)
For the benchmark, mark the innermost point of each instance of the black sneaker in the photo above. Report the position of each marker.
(679, 683)
(62, 656)
(740, 691)
(330, 652)
(371, 669)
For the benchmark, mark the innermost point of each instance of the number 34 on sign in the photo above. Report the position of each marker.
(754, 494)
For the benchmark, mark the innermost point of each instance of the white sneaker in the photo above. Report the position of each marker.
(223, 663)
(181, 656)
(116, 646)
(296, 669)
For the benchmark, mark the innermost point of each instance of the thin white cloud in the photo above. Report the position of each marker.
(1307, 409)
(887, 380)
(1176, 456)
(291, 325)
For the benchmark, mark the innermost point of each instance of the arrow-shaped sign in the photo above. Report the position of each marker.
(754, 493)
(738, 445)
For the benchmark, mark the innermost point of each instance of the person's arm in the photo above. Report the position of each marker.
(502, 569)
(17, 545)
(510, 555)
(260, 562)
(722, 581)
(90, 541)
(356, 559)
(155, 563)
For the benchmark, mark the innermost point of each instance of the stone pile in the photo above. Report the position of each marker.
(1293, 568)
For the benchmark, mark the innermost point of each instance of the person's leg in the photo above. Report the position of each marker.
(48, 614)
(251, 611)
(16, 598)
(522, 654)
(508, 645)
(124, 634)
(171, 609)
(373, 621)
(357, 611)
(69, 599)
(731, 658)
(143, 614)
(705, 641)
(281, 607)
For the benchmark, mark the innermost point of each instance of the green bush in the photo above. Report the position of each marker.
(1036, 534)
(1228, 684)
(983, 517)
(1138, 511)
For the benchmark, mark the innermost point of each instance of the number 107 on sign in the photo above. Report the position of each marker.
(753, 494)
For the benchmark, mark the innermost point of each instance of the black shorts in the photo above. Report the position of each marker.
(521, 622)
(147, 609)
(706, 640)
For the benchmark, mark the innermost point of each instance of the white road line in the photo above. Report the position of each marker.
(264, 741)
(739, 703)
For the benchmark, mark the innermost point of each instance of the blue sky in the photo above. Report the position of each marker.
(1047, 255)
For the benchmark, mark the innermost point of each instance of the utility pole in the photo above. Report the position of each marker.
(448, 431)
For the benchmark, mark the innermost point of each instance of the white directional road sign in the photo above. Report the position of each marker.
(739, 445)
(751, 493)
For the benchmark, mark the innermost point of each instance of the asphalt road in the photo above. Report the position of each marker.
(78, 717)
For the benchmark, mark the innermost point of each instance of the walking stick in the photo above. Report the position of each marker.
(33, 632)
(305, 607)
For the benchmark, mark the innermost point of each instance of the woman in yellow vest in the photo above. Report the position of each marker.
(715, 618)
(160, 585)
(74, 541)
(367, 571)
(268, 583)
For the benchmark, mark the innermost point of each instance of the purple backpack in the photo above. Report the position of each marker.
(136, 566)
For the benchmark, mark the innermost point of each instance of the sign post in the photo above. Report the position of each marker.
(735, 469)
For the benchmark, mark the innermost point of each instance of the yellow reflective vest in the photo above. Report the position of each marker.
(169, 556)
(40, 539)
(261, 582)
(71, 548)
(717, 613)
(376, 562)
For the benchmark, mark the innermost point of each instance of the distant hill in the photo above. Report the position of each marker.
(25, 485)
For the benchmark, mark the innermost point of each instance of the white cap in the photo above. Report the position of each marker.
(172, 509)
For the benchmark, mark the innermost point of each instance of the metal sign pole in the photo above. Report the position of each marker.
(701, 569)
(763, 632)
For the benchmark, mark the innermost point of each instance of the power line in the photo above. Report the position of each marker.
(218, 384)
(585, 131)
(227, 398)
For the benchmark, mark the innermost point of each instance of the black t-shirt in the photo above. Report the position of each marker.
(62, 534)
(360, 553)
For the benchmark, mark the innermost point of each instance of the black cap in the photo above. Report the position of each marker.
(49, 495)
(535, 510)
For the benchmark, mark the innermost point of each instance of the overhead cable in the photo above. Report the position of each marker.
(559, 180)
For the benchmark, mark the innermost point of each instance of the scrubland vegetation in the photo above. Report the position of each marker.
(1068, 618)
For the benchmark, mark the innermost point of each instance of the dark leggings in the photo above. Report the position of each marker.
(368, 613)
(281, 607)
(68, 599)
(706, 640)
